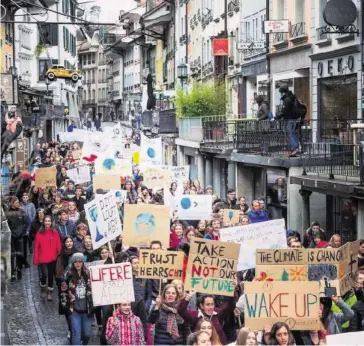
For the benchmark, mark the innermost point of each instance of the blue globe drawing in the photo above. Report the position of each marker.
(151, 153)
(118, 194)
(108, 164)
(185, 203)
(231, 214)
(144, 223)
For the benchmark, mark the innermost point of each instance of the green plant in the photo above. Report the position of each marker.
(202, 100)
(39, 49)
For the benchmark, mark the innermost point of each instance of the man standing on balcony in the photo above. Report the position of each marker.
(288, 114)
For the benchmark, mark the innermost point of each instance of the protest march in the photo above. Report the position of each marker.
(137, 251)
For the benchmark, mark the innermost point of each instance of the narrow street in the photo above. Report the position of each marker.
(32, 321)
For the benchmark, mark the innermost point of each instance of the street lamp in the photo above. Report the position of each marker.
(182, 73)
(47, 82)
(14, 73)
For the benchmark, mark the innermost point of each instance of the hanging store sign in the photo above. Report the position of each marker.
(251, 45)
(340, 13)
(220, 47)
(7, 88)
(273, 26)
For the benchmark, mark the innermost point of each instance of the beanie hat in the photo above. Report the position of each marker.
(209, 187)
(283, 89)
(77, 257)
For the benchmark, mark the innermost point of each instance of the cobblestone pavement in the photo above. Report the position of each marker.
(33, 321)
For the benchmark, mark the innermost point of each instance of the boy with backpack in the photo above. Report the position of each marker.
(293, 111)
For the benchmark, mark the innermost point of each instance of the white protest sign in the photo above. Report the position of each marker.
(95, 144)
(261, 235)
(71, 137)
(112, 284)
(108, 163)
(348, 339)
(114, 132)
(80, 174)
(103, 218)
(94, 263)
(194, 207)
(151, 151)
(120, 195)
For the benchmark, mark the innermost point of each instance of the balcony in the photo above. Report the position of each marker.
(233, 6)
(280, 40)
(167, 120)
(102, 81)
(322, 37)
(297, 33)
(102, 100)
(190, 129)
(157, 17)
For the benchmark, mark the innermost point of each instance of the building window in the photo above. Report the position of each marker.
(322, 4)
(281, 6)
(300, 11)
(6, 63)
(89, 59)
(42, 65)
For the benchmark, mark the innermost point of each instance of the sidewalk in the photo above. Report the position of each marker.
(32, 321)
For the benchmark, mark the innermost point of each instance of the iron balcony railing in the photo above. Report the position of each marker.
(279, 37)
(333, 159)
(167, 120)
(297, 29)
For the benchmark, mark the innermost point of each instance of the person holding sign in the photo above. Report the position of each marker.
(170, 328)
(124, 328)
(76, 298)
(207, 311)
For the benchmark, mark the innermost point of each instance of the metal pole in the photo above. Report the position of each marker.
(13, 77)
(226, 57)
(268, 57)
(186, 26)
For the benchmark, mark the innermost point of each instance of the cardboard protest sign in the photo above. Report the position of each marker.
(106, 182)
(231, 216)
(46, 177)
(296, 303)
(212, 267)
(333, 268)
(76, 154)
(103, 217)
(144, 223)
(151, 151)
(154, 178)
(160, 264)
(194, 207)
(80, 175)
(112, 284)
(262, 235)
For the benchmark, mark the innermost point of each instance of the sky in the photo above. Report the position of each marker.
(110, 8)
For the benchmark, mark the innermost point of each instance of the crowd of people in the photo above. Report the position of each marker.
(49, 225)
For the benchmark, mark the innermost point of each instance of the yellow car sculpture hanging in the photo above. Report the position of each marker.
(58, 71)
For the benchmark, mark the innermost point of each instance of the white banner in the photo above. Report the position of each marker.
(194, 207)
(261, 235)
(79, 175)
(120, 195)
(112, 284)
(108, 163)
(348, 339)
(71, 137)
(103, 218)
(151, 151)
(95, 144)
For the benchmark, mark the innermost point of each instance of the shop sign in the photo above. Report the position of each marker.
(6, 88)
(338, 66)
(220, 47)
(58, 111)
(273, 26)
(340, 13)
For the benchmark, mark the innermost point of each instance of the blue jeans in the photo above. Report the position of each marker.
(291, 126)
(81, 328)
(35, 119)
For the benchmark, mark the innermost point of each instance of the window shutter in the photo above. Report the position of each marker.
(64, 37)
(54, 36)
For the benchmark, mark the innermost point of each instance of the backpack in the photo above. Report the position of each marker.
(299, 109)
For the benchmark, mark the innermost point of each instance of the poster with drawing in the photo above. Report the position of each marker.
(262, 235)
(144, 223)
(46, 177)
(333, 268)
(155, 178)
(108, 163)
(151, 151)
(296, 303)
(111, 284)
(103, 218)
(80, 175)
(95, 145)
(231, 216)
(194, 207)
(120, 195)
(212, 267)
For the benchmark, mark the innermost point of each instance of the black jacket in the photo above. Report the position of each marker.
(263, 111)
(17, 222)
(287, 112)
(356, 323)
(231, 205)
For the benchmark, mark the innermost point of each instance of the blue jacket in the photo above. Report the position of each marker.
(77, 243)
(68, 228)
(258, 216)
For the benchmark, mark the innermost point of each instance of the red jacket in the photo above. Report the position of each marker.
(47, 246)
